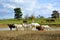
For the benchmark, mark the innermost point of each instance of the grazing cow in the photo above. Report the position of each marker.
(17, 26)
(46, 27)
(37, 26)
(27, 26)
(51, 20)
(40, 27)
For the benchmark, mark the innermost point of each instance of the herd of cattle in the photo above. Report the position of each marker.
(30, 26)
(50, 20)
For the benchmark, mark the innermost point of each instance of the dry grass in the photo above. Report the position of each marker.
(29, 35)
(3, 25)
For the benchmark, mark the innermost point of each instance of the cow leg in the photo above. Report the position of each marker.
(16, 29)
(10, 28)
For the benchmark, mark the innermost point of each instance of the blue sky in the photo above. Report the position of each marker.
(35, 7)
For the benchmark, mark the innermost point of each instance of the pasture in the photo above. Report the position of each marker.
(29, 35)
(40, 21)
(3, 23)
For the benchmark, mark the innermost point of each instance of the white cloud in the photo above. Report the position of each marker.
(45, 7)
(25, 4)
(49, 6)
(8, 6)
(17, 1)
(32, 5)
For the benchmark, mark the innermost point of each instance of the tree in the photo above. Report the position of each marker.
(32, 17)
(55, 14)
(38, 16)
(41, 16)
(18, 13)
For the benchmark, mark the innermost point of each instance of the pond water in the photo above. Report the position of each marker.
(14, 29)
(6, 29)
(23, 29)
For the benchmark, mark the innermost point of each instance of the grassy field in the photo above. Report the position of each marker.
(9, 21)
(3, 23)
(29, 35)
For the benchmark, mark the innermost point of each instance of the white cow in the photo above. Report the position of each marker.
(46, 27)
(27, 26)
(35, 24)
(19, 26)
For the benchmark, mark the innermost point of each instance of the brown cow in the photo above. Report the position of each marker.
(39, 27)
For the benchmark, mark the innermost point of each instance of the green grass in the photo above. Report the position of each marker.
(11, 21)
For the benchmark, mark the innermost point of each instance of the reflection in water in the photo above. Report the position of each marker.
(9, 29)
(14, 29)
(6, 29)
(22, 29)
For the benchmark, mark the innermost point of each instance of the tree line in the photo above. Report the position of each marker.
(18, 14)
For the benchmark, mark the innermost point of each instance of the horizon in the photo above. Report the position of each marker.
(36, 7)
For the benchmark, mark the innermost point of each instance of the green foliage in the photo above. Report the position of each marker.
(18, 13)
(41, 17)
(55, 14)
(32, 17)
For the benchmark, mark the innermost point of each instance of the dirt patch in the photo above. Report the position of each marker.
(3, 25)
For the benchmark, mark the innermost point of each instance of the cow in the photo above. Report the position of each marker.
(11, 26)
(27, 26)
(37, 26)
(17, 26)
(43, 27)
(51, 20)
(23, 26)
(46, 27)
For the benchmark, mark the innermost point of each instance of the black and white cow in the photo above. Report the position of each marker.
(17, 26)
(11, 26)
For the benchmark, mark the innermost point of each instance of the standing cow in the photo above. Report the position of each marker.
(17, 26)
(11, 26)
(46, 27)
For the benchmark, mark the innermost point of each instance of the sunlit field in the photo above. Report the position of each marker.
(29, 35)
(9, 21)
(3, 23)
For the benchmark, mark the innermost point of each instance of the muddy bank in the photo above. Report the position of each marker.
(3, 26)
